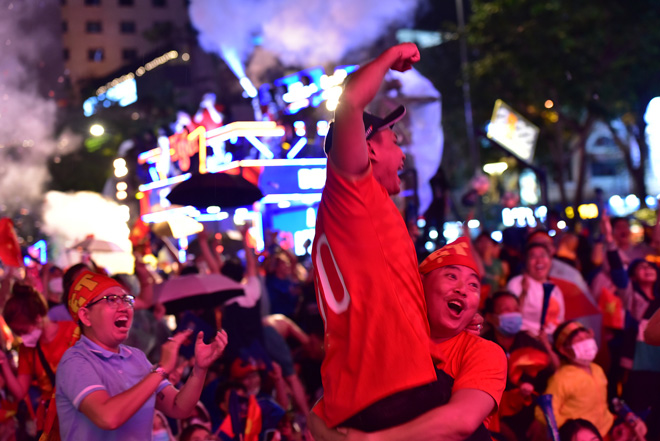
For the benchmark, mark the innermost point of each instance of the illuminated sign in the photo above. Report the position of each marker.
(185, 145)
(123, 94)
(281, 180)
(512, 131)
(307, 88)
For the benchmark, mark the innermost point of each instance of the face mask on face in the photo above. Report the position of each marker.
(31, 338)
(160, 435)
(510, 323)
(55, 285)
(585, 350)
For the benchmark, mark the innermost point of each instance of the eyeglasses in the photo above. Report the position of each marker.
(114, 300)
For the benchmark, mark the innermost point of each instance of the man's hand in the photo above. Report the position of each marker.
(205, 354)
(276, 373)
(321, 432)
(526, 389)
(475, 325)
(170, 350)
(606, 227)
(408, 54)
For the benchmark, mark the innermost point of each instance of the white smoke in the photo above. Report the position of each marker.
(424, 109)
(69, 218)
(27, 118)
(300, 33)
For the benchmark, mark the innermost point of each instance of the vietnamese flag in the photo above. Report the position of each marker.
(10, 251)
(612, 308)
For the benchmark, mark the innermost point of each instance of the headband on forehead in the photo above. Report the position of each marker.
(87, 287)
(566, 332)
(456, 253)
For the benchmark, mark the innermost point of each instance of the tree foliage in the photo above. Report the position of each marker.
(594, 60)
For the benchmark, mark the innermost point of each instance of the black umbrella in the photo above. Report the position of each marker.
(196, 291)
(215, 189)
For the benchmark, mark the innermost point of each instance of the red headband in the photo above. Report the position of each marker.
(87, 287)
(456, 253)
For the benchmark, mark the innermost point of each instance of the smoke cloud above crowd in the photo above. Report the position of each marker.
(27, 114)
(300, 33)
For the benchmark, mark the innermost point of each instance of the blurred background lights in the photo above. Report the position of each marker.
(96, 130)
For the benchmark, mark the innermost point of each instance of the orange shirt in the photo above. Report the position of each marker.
(474, 363)
(29, 362)
(370, 296)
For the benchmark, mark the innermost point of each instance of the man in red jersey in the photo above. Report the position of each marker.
(474, 367)
(378, 371)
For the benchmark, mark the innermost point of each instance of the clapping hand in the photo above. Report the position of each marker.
(206, 354)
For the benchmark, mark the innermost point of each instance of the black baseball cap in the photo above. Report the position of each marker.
(372, 124)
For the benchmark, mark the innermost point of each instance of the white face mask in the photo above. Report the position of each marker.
(31, 339)
(160, 435)
(55, 286)
(585, 350)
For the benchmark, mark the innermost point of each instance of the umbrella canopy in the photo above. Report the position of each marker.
(215, 189)
(178, 226)
(196, 291)
(91, 244)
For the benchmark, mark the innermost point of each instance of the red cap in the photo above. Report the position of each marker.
(456, 253)
(87, 287)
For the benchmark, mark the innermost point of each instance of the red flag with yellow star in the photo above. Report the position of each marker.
(612, 309)
(10, 251)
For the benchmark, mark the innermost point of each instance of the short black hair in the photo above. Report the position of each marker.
(233, 268)
(187, 433)
(530, 246)
(617, 219)
(490, 301)
(571, 427)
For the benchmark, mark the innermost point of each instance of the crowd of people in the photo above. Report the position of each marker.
(361, 339)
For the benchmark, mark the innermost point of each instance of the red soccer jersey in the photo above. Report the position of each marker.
(370, 296)
(474, 363)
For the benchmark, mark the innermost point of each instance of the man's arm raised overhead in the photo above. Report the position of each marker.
(349, 151)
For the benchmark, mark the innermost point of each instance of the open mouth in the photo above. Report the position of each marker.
(122, 323)
(456, 306)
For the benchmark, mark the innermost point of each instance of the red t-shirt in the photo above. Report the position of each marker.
(474, 363)
(370, 296)
(29, 362)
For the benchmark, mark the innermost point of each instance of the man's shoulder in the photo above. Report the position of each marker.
(470, 347)
(479, 347)
(339, 182)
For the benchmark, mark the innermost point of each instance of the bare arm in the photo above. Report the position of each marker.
(146, 298)
(209, 255)
(286, 327)
(180, 404)
(349, 146)
(250, 257)
(109, 413)
(17, 385)
(456, 420)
